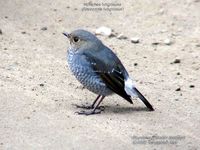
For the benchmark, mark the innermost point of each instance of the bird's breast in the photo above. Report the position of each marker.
(85, 74)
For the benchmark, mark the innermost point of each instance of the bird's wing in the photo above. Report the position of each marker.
(113, 73)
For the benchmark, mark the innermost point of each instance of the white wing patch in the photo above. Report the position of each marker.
(129, 85)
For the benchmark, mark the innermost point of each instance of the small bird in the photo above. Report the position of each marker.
(99, 70)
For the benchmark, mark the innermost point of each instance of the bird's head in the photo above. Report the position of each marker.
(81, 40)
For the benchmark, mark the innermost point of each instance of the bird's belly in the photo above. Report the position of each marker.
(89, 79)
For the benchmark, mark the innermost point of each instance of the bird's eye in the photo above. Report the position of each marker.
(76, 39)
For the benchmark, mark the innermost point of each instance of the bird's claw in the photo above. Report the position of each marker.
(93, 112)
(89, 107)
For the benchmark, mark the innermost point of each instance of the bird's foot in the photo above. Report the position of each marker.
(84, 106)
(87, 113)
(88, 107)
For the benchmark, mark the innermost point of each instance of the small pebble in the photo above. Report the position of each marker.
(103, 31)
(155, 43)
(121, 37)
(178, 89)
(44, 28)
(135, 64)
(177, 61)
(41, 84)
(198, 45)
(1, 32)
(192, 86)
(163, 31)
(180, 29)
(23, 32)
(27, 117)
(167, 42)
(135, 40)
(161, 11)
(178, 73)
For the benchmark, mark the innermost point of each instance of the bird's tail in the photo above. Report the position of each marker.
(133, 91)
(144, 100)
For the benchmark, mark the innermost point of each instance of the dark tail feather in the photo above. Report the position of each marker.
(144, 100)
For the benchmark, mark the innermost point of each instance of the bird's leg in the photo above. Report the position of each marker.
(93, 104)
(86, 106)
(95, 110)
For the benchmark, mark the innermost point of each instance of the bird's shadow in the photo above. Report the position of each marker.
(124, 110)
(120, 109)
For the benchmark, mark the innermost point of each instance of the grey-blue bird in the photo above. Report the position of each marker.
(99, 70)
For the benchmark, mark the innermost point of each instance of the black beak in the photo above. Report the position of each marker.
(66, 34)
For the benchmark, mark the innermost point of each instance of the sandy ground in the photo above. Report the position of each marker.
(37, 90)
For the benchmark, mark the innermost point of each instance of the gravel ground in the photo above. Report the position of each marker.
(37, 89)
